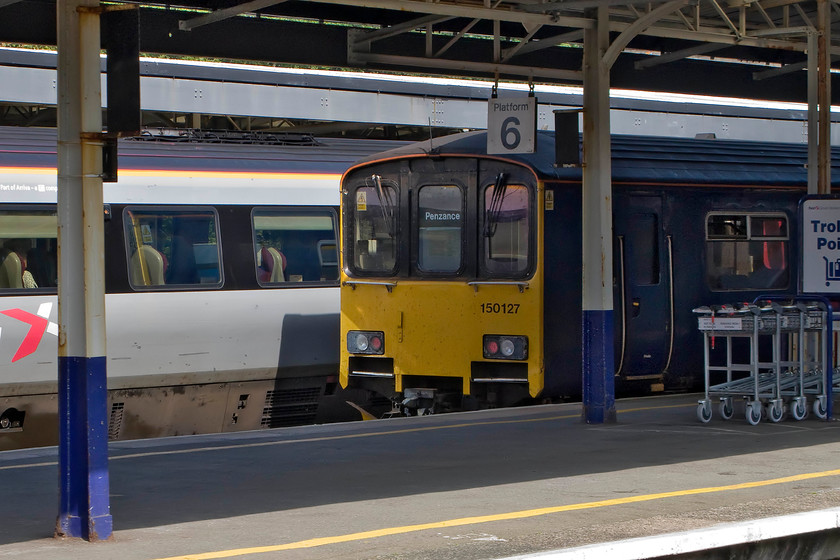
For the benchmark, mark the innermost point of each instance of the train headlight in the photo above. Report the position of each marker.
(362, 342)
(366, 342)
(504, 347)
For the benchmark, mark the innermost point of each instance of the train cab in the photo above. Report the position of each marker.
(442, 279)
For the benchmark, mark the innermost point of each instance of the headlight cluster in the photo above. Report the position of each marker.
(366, 342)
(503, 347)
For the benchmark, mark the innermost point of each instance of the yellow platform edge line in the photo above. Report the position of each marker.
(311, 543)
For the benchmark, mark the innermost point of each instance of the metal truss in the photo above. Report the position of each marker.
(763, 32)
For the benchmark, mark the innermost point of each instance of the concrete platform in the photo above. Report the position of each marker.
(485, 484)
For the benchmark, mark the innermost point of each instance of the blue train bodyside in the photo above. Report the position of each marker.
(664, 190)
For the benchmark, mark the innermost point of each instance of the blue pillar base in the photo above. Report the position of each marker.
(84, 507)
(598, 368)
(101, 528)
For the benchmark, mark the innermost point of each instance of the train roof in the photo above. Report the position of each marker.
(254, 152)
(650, 159)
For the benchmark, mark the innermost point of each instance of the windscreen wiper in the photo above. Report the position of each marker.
(386, 204)
(494, 208)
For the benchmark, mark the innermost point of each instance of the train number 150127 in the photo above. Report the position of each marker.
(505, 308)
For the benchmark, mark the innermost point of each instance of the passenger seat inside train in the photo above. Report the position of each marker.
(271, 264)
(11, 271)
(147, 267)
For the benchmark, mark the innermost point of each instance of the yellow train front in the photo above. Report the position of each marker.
(441, 288)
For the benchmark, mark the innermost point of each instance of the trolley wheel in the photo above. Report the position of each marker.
(754, 412)
(820, 409)
(799, 408)
(704, 411)
(775, 410)
(726, 408)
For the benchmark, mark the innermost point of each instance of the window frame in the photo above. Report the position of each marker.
(32, 208)
(325, 211)
(349, 231)
(128, 235)
(748, 237)
(483, 270)
(414, 220)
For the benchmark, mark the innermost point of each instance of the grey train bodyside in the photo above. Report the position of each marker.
(221, 286)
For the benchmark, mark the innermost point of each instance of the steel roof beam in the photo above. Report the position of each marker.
(463, 32)
(715, 37)
(702, 48)
(578, 4)
(457, 37)
(392, 30)
(223, 14)
(507, 54)
(786, 69)
(465, 65)
(467, 11)
(725, 18)
(803, 15)
(621, 42)
(547, 43)
(767, 19)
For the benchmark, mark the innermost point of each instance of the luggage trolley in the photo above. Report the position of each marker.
(743, 379)
(799, 365)
(812, 350)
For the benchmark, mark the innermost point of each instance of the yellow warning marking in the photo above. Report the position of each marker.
(310, 543)
(365, 414)
(349, 436)
(28, 465)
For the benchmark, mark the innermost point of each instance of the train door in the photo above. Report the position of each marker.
(643, 302)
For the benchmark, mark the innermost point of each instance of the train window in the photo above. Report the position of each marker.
(747, 252)
(374, 220)
(440, 224)
(172, 247)
(725, 226)
(643, 249)
(506, 230)
(295, 245)
(28, 249)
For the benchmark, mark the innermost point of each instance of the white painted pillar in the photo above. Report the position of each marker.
(84, 509)
(598, 333)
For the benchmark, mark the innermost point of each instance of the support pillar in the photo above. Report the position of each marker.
(813, 112)
(824, 95)
(84, 508)
(598, 333)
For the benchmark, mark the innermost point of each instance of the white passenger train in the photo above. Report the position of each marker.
(221, 280)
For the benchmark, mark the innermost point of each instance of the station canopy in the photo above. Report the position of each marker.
(736, 48)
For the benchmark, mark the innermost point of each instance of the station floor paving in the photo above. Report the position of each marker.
(478, 485)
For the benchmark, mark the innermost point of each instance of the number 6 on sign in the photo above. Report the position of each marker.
(512, 125)
(510, 134)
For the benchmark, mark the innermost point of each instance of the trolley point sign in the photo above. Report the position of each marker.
(511, 125)
(820, 226)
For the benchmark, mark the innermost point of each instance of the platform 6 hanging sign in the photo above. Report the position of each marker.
(511, 125)
(820, 245)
